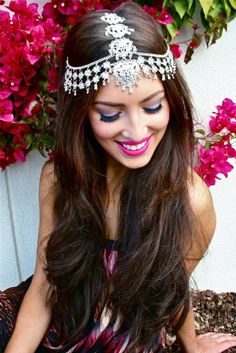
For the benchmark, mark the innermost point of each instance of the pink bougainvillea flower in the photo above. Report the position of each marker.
(151, 10)
(224, 118)
(4, 93)
(228, 106)
(2, 154)
(19, 132)
(53, 32)
(218, 123)
(165, 18)
(34, 48)
(19, 155)
(175, 48)
(67, 7)
(14, 68)
(17, 129)
(49, 11)
(28, 13)
(6, 107)
(51, 155)
(214, 161)
(23, 105)
(7, 160)
(4, 18)
(52, 80)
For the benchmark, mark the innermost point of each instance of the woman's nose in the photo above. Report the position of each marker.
(135, 128)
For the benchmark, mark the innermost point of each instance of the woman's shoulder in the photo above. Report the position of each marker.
(47, 171)
(203, 208)
(47, 179)
(205, 219)
(199, 195)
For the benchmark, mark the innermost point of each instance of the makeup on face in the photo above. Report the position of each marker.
(150, 105)
(136, 148)
(130, 126)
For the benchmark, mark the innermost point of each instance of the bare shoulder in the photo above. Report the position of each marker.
(47, 181)
(200, 199)
(46, 202)
(47, 175)
(46, 220)
(205, 219)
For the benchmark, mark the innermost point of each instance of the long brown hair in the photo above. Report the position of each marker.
(155, 231)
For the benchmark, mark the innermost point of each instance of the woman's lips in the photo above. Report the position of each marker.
(132, 148)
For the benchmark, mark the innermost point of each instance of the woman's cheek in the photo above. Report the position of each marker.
(103, 130)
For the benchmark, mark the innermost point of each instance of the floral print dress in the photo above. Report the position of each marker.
(102, 337)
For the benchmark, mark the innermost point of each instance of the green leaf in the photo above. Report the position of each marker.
(215, 12)
(165, 3)
(43, 85)
(227, 7)
(180, 7)
(204, 21)
(218, 137)
(172, 29)
(191, 9)
(207, 39)
(217, 35)
(30, 138)
(232, 15)
(233, 3)
(206, 5)
(46, 139)
(207, 145)
(224, 25)
(201, 132)
(48, 44)
(41, 151)
(190, 3)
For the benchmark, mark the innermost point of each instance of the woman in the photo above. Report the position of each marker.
(123, 218)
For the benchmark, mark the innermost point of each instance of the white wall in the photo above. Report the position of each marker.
(212, 77)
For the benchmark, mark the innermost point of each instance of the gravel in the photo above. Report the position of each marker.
(213, 312)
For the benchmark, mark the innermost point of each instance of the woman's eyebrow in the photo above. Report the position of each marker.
(112, 104)
(152, 96)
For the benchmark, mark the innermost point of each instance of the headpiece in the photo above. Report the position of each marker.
(126, 64)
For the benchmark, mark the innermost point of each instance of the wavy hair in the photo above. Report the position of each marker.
(155, 219)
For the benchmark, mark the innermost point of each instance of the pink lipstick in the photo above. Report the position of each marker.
(134, 148)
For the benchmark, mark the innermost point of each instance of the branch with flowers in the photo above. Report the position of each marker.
(31, 46)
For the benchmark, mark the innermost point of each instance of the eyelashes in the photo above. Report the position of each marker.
(111, 118)
(153, 110)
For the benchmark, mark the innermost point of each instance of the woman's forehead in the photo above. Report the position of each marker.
(145, 89)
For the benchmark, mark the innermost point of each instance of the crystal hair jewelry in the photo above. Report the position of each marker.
(128, 64)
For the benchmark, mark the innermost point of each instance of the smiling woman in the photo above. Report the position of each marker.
(128, 126)
(123, 218)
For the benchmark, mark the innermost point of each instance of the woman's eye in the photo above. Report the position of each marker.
(109, 118)
(153, 110)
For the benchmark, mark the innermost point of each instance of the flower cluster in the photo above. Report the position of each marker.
(215, 149)
(31, 50)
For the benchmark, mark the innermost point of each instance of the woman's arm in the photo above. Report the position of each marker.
(203, 209)
(34, 316)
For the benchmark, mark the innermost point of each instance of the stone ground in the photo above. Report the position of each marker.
(213, 312)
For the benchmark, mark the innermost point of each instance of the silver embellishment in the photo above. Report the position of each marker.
(128, 64)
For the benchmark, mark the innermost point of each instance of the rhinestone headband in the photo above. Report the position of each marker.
(128, 64)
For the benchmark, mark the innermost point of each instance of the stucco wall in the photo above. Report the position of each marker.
(212, 77)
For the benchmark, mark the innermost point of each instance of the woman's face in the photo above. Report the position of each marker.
(129, 126)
